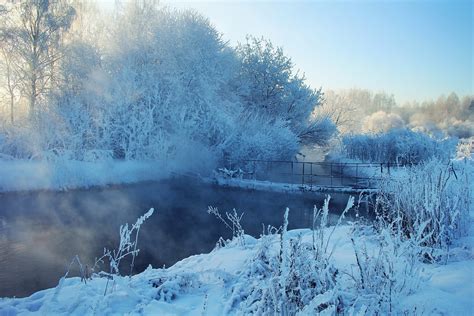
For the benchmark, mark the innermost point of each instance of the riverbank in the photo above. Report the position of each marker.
(220, 282)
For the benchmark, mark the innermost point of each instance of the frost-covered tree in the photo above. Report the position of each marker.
(341, 109)
(149, 82)
(9, 82)
(34, 31)
(173, 69)
(380, 122)
(348, 108)
(269, 86)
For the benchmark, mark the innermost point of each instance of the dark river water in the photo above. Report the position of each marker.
(40, 232)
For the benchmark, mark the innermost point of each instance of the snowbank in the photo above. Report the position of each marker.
(282, 187)
(206, 285)
(22, 175)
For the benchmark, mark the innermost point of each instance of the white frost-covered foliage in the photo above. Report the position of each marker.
(258, 139)
(382, 122)
(157, 83)
(127, 246)
(388, 267)
(400, 146)
(269, 87)
(289, 275)
(432, 200)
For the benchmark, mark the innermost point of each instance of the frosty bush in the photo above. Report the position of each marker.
(434, 198)
(127, 248)
(401, 146)
(288, 275)
(258, 138)
(291, 274)
(387, 271)
(170, 287)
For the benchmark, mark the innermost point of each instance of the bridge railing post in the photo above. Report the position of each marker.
(254, 170)
(357, 175)
(330, 173)
(342, 175)
(302, 177)
(292, 172)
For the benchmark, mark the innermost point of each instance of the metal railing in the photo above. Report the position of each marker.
(317, 174)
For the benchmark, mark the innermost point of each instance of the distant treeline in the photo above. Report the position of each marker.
(358, 110)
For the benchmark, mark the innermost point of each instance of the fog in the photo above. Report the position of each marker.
(42, 231)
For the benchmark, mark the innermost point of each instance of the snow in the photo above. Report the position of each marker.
(280, 186)
(202, 285)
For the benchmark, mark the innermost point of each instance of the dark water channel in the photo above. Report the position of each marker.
(40, 232)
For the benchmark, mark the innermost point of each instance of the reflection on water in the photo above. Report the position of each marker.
(40, 232)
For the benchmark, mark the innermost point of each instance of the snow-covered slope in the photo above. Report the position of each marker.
(216, 284)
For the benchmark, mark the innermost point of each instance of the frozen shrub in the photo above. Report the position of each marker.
(170, 287)
(387, 271)
(382, 121)
(258, 138)
(127, 245)
(433, 197)
(288, 275)
(401, 146)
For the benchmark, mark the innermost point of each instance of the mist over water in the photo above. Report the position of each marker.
(40, 232)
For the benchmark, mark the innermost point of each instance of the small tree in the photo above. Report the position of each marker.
(8, 60)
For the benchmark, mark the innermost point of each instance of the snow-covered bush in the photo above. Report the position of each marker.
(433, 197)
(388, 268)
(401, 146)
(464, 149)
(258, 139)
(170, 287)
(382, 122)
(288, 275)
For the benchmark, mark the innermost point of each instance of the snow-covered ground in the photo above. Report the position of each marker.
(282, 187)
(210, 284)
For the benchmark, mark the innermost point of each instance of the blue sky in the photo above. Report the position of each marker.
(413, 49)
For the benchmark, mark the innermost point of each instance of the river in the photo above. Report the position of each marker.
(41, 231)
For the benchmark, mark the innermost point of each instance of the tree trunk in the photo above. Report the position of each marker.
(12, 100)
(32, 100)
